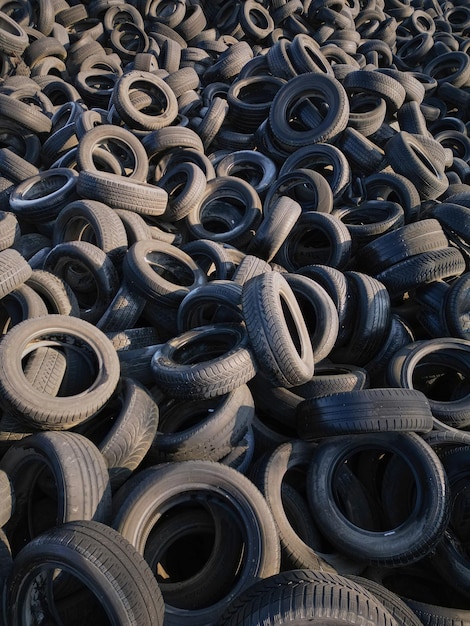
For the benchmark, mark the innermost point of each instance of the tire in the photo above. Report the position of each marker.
(132, 417)
(368, 411)
(402, 372)
(95, 222)
(327, 160)
(414, 537)
(152, 492)
(236, 163)
(376, 83)
(10, 230)
(369, 220)
(275, 228)
(87, 259)
(45, 369)
(307, 187)
(270, 479)
(120, 192)
(123, 311)
(395, 188)
(13, 38)
(26, 115)
(40, 198)
(306, 86)
(231, 225)
(165, 107)
(57, 477)
(323, 325)
(421, 269)
(371, 323)
(277, 330)
(391, 601)
(408, 153)
(195, 527)
(8, 498)
(316, 239)
(14, 271)
(20, 304)
(134, 164)
(21, 399)
(307, 597)
(161, 272)
(57, 295)
(402, 243)
(456, 307)
(204, 430)
(185, 185)
(336, 285)
(227, 363)
(116, 576)
(216, 301)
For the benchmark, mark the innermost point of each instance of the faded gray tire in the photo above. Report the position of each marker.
(45, 412)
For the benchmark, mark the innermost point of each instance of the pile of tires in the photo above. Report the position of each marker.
(234, 302)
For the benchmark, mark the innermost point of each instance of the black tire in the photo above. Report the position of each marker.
(457, 306)
(20, 304)
(13, 38)
(202, 429)
(371, 320)
(369, 220)
(161, 272)
(165, 106)
(395, 188)
(376, 83)
(368, 411)
(319, 313)
(213, 217)
(185, 185)
(336, 285)
(40, 198)
(206, 534)
(308, 187)
(391, 601)
(435, 615)
(205, 362)
(421, 269)
(409, 153)
(417, 535)
(270, 478)
(95, 222)
(134, 163)
(151, 493)
(403, 371)
(275, 227)
(10, 230)
(307, 597)
(121, 192)
(304, 86)
(401, 243)
(58, 478)
(22, 400)
(316, 239)
(327, 160)
(216, 301)
(91, 263)
(277, 330)
(123, 432)
(117, 577)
